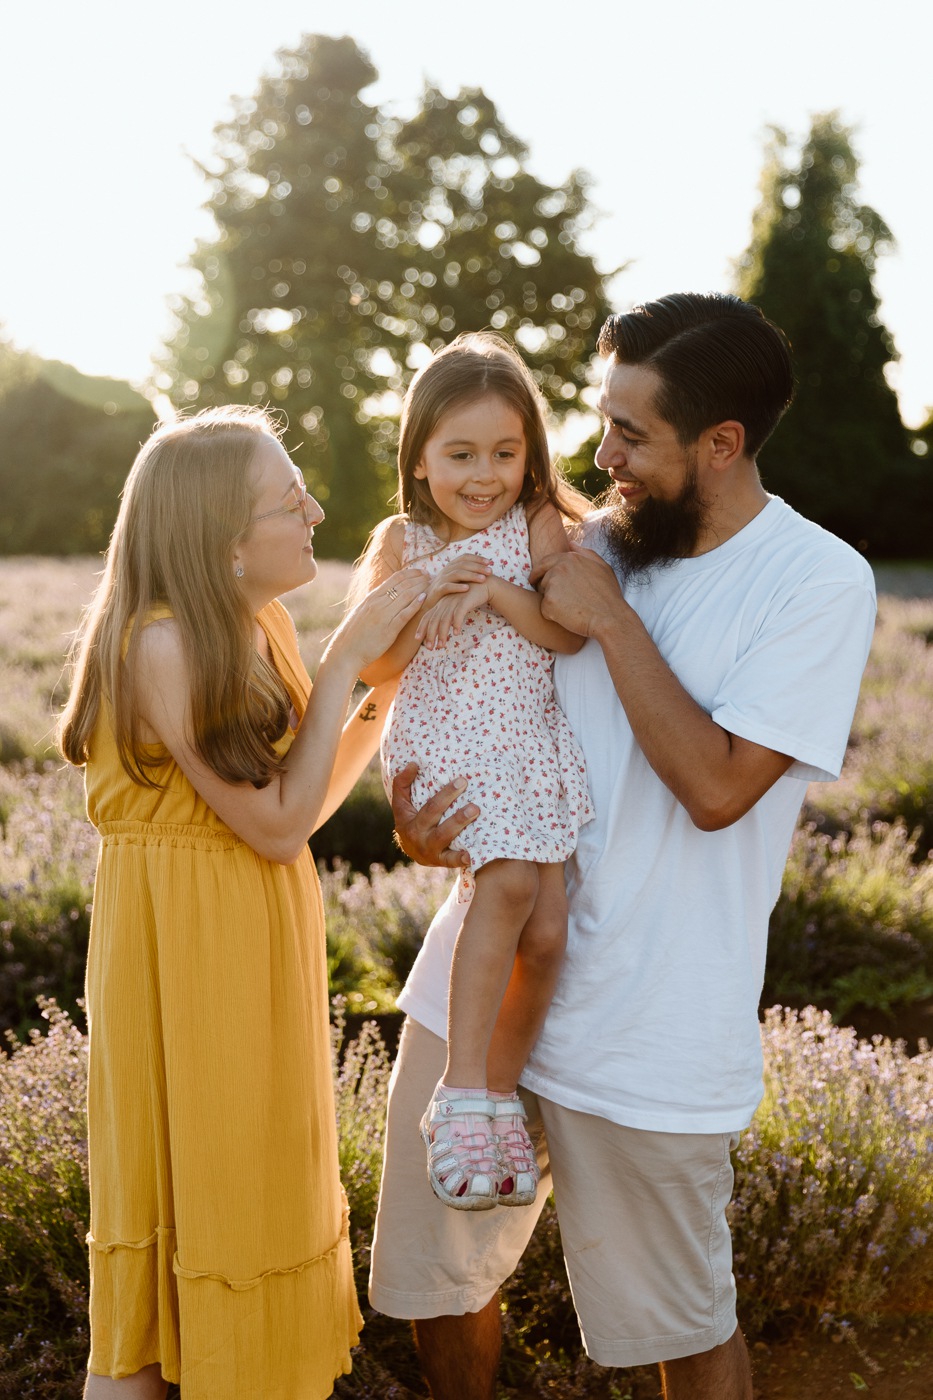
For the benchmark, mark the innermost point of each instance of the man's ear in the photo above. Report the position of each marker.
(725, 444)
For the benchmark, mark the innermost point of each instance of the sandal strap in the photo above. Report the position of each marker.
(441, 1109)
(510, 1108)
(515, 1144)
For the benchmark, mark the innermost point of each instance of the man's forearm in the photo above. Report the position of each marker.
(714, 775)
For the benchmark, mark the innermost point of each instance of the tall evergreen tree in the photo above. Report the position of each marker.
(348, 242)
(810, 268)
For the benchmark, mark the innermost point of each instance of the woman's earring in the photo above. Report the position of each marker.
(239, 570)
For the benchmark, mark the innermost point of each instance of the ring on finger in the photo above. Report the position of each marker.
(392, 593)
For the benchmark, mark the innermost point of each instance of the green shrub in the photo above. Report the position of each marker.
(854, 924)
(360, 832)
(375, 926)
(375, 923)
(49, 854)
(67, 441)
(832, 1214)
(43, 1213)
(833, 1206)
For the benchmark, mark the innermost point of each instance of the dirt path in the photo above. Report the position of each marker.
(894, 1362)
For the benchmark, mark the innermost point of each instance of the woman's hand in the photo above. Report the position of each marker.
(370, 628)
(424, 833)
(449, 614)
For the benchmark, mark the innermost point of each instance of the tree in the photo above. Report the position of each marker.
(67, 441)
(349, 243)
(810, 268)
(911, 523)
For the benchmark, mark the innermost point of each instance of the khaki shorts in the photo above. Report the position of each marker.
(642, 1220)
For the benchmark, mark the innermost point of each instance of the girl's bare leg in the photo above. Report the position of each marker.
(531, 986)
(146, 1384)
(505, 895)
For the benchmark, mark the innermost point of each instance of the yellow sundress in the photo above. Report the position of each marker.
(219, 1242)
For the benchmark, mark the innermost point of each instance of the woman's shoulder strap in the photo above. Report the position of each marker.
(276, 621)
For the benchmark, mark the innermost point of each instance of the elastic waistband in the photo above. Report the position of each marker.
(205, 838)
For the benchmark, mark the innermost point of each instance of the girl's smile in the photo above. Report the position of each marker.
(474, 464)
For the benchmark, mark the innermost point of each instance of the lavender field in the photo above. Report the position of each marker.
(833, 1215)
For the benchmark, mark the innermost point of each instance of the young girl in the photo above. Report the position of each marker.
(219, 1248)
(481, 506)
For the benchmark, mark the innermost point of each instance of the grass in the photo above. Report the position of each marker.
(48, 855)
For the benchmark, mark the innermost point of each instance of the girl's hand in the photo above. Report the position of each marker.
(449, 614)
(457, 577)
(370, 628)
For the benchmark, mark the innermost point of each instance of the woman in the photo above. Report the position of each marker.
(219, 1248)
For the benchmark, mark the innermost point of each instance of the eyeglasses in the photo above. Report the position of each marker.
(302, 506)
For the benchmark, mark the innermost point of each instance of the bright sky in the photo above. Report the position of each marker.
(104, 102)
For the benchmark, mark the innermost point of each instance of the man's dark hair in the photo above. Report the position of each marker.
(717, 358)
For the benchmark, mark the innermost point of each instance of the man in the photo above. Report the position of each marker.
(726, 639)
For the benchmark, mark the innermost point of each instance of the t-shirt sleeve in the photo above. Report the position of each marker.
(795, 688)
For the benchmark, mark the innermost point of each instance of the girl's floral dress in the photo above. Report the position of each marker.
(483, 707)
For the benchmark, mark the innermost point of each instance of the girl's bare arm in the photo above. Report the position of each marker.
(382, 558)
(520, 606)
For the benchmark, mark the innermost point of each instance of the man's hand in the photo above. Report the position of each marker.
(578, 590)
(714, 774)
(423, 833)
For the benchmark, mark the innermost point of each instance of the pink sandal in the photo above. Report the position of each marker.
(464, 1166)
(519, 1159)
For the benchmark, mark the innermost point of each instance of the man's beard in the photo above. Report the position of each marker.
(656, 532)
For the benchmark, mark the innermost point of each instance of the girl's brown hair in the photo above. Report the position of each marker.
(467, 369)
(187, 500)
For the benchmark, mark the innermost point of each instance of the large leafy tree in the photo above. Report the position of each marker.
(67, 441)
(810, 267)
(349, 244)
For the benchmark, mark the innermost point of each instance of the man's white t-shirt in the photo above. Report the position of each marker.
(654, 1022)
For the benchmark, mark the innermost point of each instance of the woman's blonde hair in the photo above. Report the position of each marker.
(470, 367)
(187, 500)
